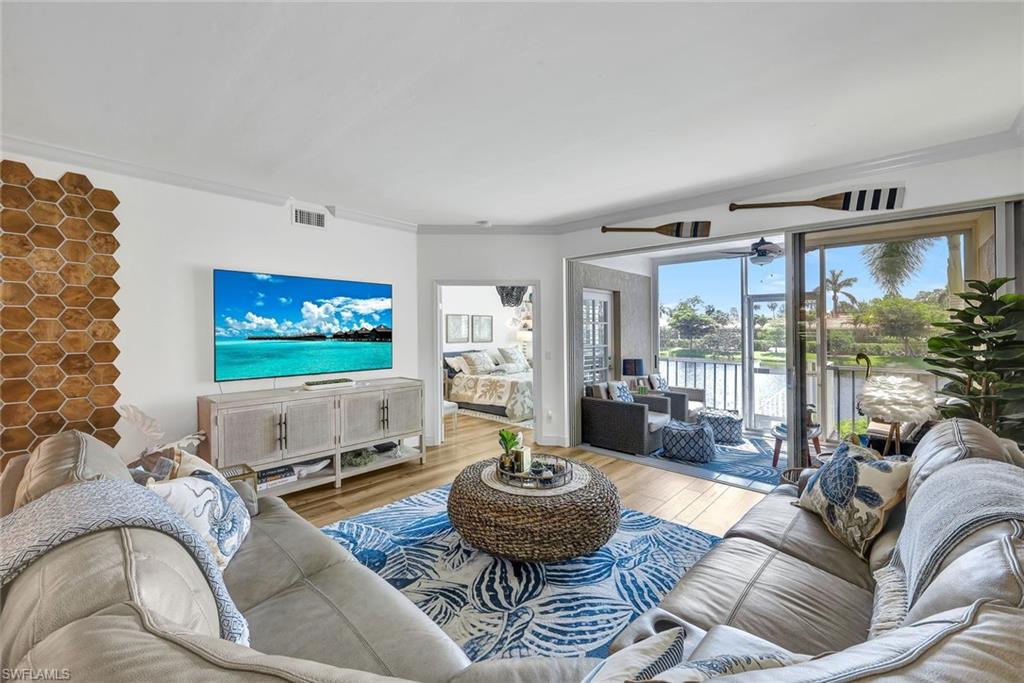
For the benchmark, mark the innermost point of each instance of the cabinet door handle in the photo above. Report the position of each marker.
(280, 433)
(284, 425)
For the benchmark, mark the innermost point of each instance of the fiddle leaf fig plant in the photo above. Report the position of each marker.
(981, 353)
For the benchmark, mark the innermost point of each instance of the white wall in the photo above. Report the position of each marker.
(171, 240)
(509, 258)
(479, 300)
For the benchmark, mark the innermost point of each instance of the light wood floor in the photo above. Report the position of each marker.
(698, 503)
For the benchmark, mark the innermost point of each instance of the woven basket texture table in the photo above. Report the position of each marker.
(534, 528)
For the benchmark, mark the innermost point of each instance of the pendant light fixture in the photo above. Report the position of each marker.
(511, 296)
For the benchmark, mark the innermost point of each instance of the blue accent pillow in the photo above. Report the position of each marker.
(620, 392)
(659, 383)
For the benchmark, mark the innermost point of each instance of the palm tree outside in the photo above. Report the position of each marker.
(838, 286)
(893, 263)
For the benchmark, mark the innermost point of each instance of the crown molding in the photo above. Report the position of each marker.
(766, 185)
(951, 151)
(961, 149)
(441, 229)
(15, 145)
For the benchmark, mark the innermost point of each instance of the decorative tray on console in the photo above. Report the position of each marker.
(551, 473)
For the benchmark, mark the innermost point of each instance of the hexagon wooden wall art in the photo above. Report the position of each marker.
(57, 330)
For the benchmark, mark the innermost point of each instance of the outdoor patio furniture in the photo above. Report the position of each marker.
(689, 441)
(726, 424)
(781, 433)
(627, 427)
(684, 400)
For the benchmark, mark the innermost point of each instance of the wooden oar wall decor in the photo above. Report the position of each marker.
(682, 229)
(869, 199)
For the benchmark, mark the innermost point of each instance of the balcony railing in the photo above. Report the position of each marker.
(722, 380)
(724, 387)
(845, 383)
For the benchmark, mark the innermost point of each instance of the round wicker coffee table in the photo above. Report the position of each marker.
(534, 528)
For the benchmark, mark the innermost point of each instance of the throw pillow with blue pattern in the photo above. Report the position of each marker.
(658, 383)
(619, 391)
(210, 505)
(662, 658)
(853, 496)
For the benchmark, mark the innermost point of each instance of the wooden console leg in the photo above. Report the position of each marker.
(778, 448)
(817, 446)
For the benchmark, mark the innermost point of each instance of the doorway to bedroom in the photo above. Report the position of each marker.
(487, 354)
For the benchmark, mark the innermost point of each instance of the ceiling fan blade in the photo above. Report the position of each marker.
(737, 253)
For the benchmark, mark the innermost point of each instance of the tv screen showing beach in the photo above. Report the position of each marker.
(269, 325)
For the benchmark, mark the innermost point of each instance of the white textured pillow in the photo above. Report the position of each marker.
(457, 363)
(212, 507)
(513, 354)
(479, 362)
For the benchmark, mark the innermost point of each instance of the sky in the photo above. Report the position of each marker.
(263, 304)
(718, 282)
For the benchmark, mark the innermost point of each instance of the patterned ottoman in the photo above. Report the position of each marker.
(689, 441)
(726, 424)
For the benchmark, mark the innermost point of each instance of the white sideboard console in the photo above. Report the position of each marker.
(265, 429)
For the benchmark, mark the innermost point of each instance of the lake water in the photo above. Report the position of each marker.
(244, 359)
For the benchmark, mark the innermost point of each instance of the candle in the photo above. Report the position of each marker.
(527, 459)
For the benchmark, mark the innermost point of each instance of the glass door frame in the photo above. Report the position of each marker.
(749, 300)
(607, 298)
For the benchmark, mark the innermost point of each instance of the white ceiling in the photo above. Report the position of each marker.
(521, 114)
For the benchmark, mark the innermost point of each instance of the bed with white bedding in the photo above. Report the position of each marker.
(508, 394)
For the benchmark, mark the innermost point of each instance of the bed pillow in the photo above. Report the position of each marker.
(479, 362)
(511, 368)
(457, 363)
(853, 497)
(513, 354)
(212, 507)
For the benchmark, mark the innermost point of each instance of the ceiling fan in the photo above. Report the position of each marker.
(761, 252)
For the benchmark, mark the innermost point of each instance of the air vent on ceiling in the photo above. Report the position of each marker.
(311, 217)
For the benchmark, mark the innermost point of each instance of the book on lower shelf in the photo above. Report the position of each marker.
(286, 474)
(275, 476)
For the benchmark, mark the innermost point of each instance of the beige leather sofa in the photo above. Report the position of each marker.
(131, 604)
(781, 576)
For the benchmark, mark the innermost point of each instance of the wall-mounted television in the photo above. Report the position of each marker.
(268, 325)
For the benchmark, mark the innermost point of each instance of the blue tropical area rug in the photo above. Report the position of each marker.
(496, 608)
(751, 459)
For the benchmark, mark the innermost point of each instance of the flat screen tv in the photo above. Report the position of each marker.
(280, 325)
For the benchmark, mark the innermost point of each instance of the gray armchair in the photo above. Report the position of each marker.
(628, 427)
(685, 401)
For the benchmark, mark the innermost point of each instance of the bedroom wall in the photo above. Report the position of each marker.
(171, 240)
(479, 300)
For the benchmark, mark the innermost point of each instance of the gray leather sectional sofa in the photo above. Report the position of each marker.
(131, 605)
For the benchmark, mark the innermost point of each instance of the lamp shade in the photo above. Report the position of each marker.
(633, 367)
